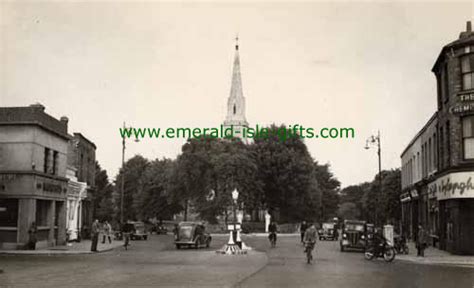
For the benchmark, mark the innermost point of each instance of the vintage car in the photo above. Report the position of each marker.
(353, 235)
(327, 232)
(192, 234)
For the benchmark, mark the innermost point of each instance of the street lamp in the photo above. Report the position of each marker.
(371, 142)
(122, 184)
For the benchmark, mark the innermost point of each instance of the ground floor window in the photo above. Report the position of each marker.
(42, 207)
(8, 212)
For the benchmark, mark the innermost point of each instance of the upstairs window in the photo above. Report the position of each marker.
(468, 137)
(467, 71)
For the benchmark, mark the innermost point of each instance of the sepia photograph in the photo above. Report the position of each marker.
(237, 143)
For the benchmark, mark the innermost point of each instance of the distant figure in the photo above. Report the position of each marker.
(95, 230)
(175, 231)
(107, 232)
(303, 228)
(32, 239)
(127, 229)
(421, 241)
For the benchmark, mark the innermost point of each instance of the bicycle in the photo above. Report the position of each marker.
(272, 238)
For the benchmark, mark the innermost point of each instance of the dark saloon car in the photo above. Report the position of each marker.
(353, 235)
(192, 234)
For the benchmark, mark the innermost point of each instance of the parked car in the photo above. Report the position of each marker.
(328, 232)
(353, 235)
(159, 229)
(192, 234)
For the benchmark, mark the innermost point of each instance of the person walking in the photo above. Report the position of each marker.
(127, 229)
(32, 239)
(421, 241)
(95, 230)
(107, 232)
(303, 228)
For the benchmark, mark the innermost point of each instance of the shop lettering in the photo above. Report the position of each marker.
(466, 97)
(448, 187)
(52, 187)
(462, 108)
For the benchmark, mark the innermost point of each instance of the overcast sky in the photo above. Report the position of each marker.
(366, 66)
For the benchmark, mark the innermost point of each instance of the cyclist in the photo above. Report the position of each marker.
(310, 237)
(272, 236)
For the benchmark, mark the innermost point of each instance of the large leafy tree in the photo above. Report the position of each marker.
(132, 171)
(153, 199)
(285, 169)
(329, 186)
(103, 202)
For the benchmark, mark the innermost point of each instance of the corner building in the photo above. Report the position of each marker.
(438, 164)
(33, 183)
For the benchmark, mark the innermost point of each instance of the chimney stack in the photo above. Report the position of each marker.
(468, 27)
(64, 120)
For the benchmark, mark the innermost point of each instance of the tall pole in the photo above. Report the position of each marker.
(123, 178)
(380, 166)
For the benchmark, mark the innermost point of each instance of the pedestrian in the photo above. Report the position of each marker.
(175, 231)
(421, 241)
(303, 228)
(107, 232)
(95, 230)
(127, 229)
(32, 239)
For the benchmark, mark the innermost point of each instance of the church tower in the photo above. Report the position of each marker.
(236, 101)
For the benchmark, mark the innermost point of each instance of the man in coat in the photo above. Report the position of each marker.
(95, 235)
(421, 241)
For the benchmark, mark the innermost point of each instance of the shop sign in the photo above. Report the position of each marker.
(414, 194)
(462, 108)
(466, 97)
(453, 185)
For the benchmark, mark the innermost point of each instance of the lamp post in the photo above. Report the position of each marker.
(371, 142)
(122, 184)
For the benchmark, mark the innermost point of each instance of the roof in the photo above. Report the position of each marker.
(466, 37)
(434, 117)
(33, 115)
(80, 135)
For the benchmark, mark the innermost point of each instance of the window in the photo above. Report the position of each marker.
(430, 158)
(55, 163)
(448, 144)
(234, 109)
(441, 148)
(445, 83)
(46, 160)
(8, 212)
(42, 207)
(467, 71)
(468, 137)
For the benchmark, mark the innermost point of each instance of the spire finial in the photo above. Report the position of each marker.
(237, 42)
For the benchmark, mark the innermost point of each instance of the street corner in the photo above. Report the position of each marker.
(71, 249)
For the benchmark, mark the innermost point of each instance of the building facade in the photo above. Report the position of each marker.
(33, 183)
(81, 186)
(438, 164)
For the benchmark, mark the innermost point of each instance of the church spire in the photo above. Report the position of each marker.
(236, 101)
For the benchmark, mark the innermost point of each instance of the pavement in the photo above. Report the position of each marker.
(434, 256)
(83, 247)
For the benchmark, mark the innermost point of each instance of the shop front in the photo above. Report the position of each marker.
(455, 195)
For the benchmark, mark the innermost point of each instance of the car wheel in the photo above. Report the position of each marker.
(178, 246)
(145, 237)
